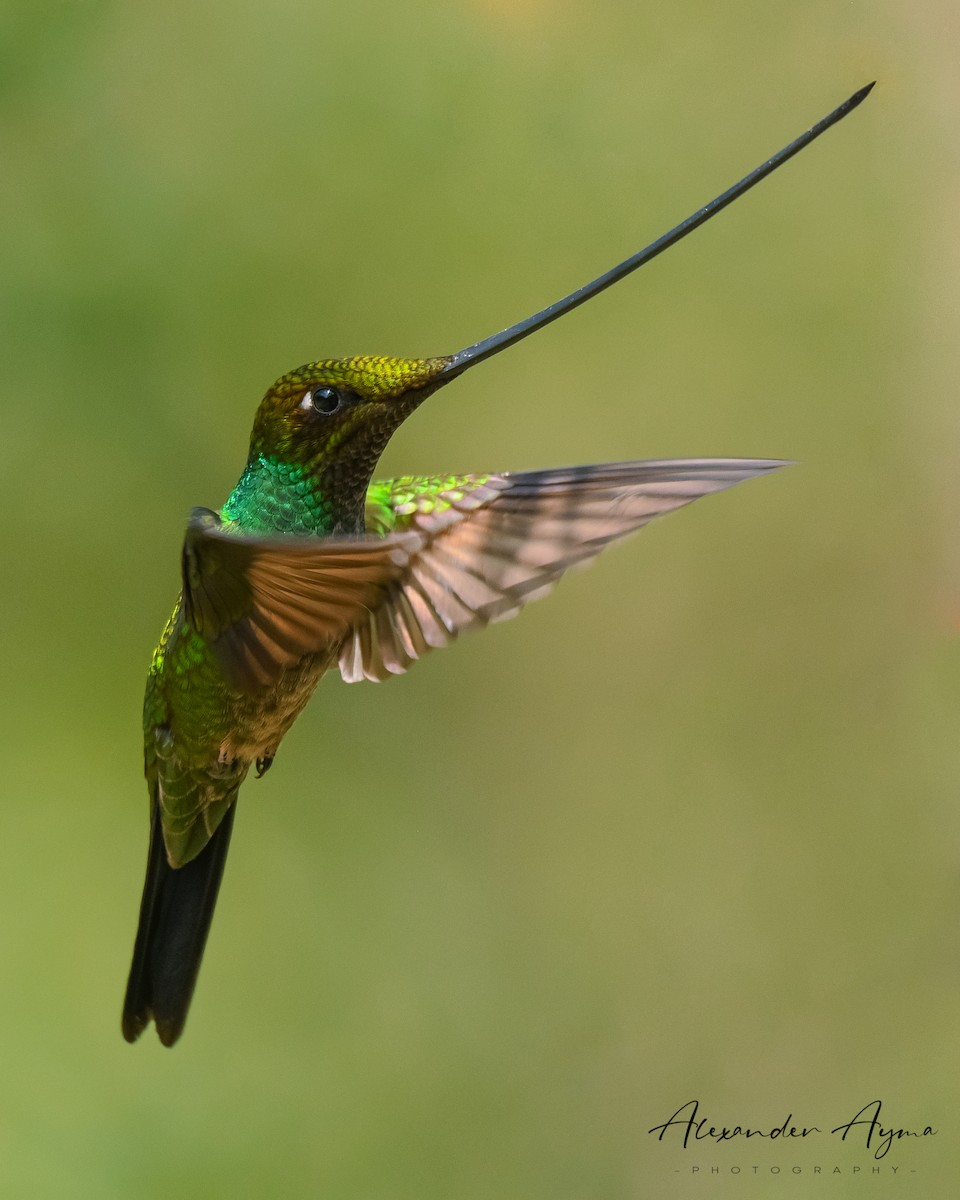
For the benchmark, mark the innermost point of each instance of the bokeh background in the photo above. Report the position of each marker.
(687, 830)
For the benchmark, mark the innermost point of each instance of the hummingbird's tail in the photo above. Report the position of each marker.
(175, 915)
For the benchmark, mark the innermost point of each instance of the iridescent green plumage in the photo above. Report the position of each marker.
(310, 566)
(291, 579)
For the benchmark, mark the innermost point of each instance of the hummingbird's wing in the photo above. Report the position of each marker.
(489, 544)
(261, 604)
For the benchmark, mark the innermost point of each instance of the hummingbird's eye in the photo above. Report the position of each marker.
(324, 400)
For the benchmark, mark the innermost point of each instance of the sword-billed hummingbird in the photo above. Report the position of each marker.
(309, 566)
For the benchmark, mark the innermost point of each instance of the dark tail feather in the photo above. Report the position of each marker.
(175, 915)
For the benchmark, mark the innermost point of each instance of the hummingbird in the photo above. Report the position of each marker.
(311, 566)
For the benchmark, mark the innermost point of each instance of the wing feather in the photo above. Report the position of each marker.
(492, 544)
(459, 554)
(262, 604)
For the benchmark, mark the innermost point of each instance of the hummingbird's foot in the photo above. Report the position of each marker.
(227, 765)
(264, 764)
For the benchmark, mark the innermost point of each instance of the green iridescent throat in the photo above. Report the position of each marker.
(280, 497)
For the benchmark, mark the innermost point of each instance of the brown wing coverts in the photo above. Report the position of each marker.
(262, 604)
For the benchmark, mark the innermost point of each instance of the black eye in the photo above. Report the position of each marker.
(325, 400)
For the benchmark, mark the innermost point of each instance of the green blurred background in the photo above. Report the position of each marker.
(687, 830)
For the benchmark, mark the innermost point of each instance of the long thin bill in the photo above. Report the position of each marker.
(500, 341)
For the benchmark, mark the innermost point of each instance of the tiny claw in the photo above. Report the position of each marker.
(226, 765)
(263, 765)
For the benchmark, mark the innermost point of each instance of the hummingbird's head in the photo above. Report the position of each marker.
(332, 419)
(335, 417)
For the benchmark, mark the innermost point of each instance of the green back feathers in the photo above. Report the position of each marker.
(393, 504)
